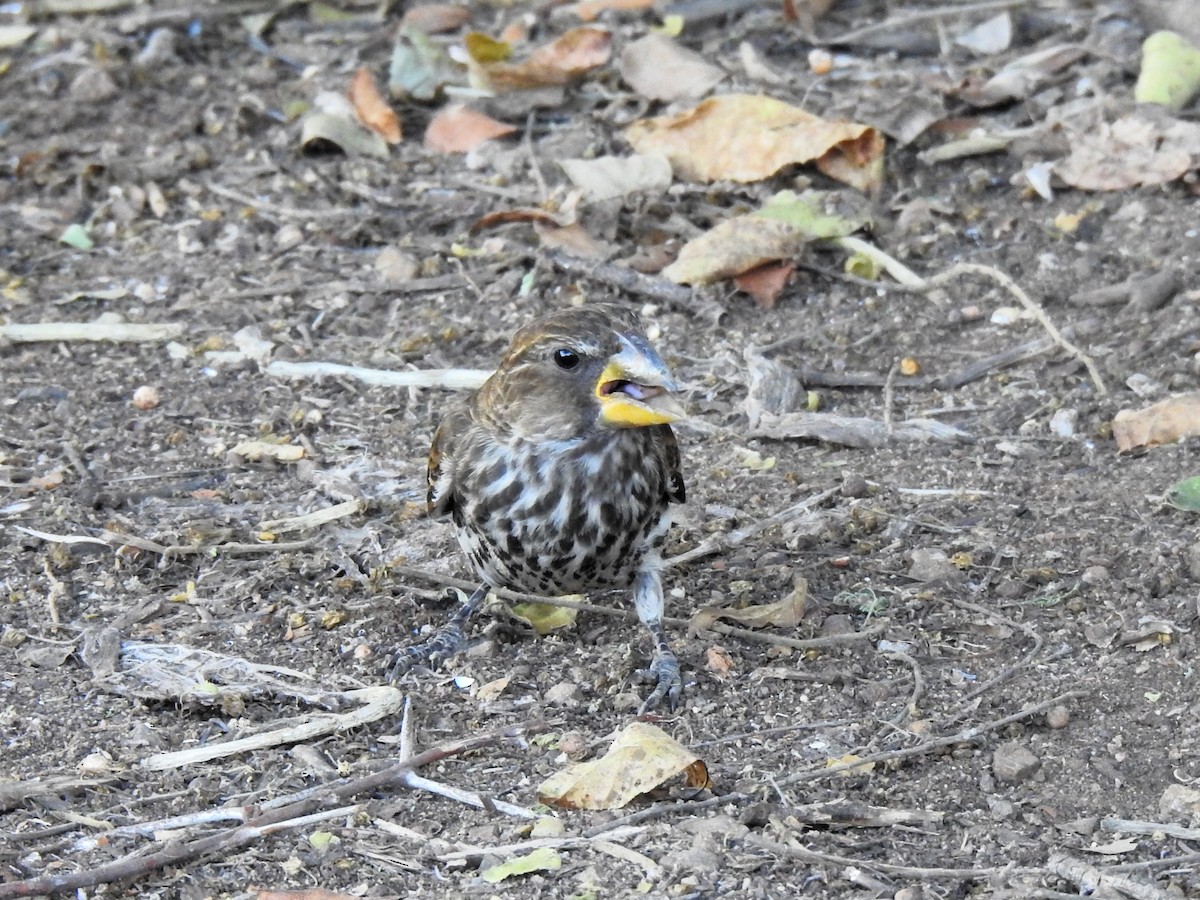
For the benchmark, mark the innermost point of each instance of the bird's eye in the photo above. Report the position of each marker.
(565, 358)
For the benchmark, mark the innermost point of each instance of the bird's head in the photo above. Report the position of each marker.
(577, 371)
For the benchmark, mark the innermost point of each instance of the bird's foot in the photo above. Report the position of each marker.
(664, 669)
(447, 641)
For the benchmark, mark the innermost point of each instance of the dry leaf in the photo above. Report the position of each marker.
(1021, 77)
(1163, 423)
(558, 63)
(765, 283)
(574, 240)
(589, 10)
(606, 177)
(1138, 149)
(746, 137)
(433, 18)
(849, 759)
(660, 69)
(493, 689)
(541, 859)
(785, 613)
(642, 757)
(253, 451)
(522, 214)
(734, 246)
(544, 618)
(460, 129)
(371, 109)
(718, 661)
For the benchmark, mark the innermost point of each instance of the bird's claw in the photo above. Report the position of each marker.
(668, 682)
(446, 642)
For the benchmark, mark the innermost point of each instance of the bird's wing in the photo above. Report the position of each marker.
(670, 453)
(439, 477)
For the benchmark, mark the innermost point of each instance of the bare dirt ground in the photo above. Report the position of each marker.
(994, 576)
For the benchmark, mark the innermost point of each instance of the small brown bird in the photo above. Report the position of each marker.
(559, 472)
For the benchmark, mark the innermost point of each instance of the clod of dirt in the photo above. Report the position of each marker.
(1014, 763)
(565, 693)
(1180, 802)
(930, 565)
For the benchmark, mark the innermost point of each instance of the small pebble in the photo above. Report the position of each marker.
(565, 693)
(1058, 717)
(1062, 423)
(1013, 762)
(146, 397)
(574, 745)
(1094, 575)
(854, 486)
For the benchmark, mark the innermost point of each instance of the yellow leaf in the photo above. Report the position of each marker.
(641, 758)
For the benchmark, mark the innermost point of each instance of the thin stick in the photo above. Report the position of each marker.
(929, 874)
(1079, 872)
(121, 332)
(818, 773)
(938, 12)
(832, 640)
(224, 843)
(451, 379)
(1035, 310)
(1130, 826)
(624, 278)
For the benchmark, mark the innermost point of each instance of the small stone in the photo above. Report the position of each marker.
(1094, 575)
(289, 236)
(1086, 825)
(93, 85)
(1013, 762)
(395, 265)
(855, 486)
(1062, 423)
(565, 693)
(1001, 809)
(1180, 802)
(1058, 717)
(1193, 562)
(971, 313)
(930, 564)
(146, 397)
(574, 745)
(702, 857)
(159, 49)
(837, 624)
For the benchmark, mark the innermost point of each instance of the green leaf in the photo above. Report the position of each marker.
(543, 859)
(806, 214)
(1185, 495)
(76, 236)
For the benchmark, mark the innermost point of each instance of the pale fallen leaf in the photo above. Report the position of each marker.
(253, 451)
(460, 129)
(543, 617)
(1137, 149)
(574, 240)
(14, 35)
(988, 37)
(1114, 848)
(660, 69)
(419, 68)
(543, 859)
(332, 122)
(433, 18)
(1163, 423)
(558, 63)
(371, 109)
(642, 757)
(734, 246)
(589, 10)
(747, 137)
(785, 613)
(606, 177)
(493, 689)
(848, 760)
(1021, 77)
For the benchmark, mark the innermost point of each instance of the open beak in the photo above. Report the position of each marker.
(635, 389)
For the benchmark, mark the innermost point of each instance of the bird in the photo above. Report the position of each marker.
(558, 475)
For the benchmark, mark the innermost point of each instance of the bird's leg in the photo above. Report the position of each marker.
(445, 642)
(648, 601)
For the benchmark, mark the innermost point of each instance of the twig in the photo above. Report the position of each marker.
(890, 264)
(817, 773)
(624, 278)
(857, 814)
(1004, 674)
(1091, 878)
(225, 842)
(929, 874)
(1034, 309)
(832, 640)
(451, 379)
(127, 332)
(721, 543)
(1130, 826)
(854, 431)
(896, 23)
(910, 708)
(661, 810)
